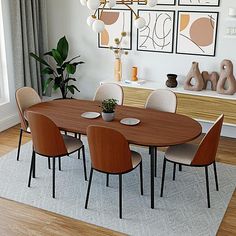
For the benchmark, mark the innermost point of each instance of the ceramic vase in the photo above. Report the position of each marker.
(171, 81)
(118, 69)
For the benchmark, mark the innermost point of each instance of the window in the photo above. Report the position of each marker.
(4, 88)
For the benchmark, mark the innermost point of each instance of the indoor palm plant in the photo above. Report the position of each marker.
(108, 109)
(61, 72)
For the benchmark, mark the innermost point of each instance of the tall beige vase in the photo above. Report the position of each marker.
(118, 69)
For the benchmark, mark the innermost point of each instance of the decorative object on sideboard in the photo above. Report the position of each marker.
(194, 73)
(108, 109)
(226, 78)
(212, 78)
(134, 74)
(60, 74)
(171, 82)
(118, 52)
(98, 25)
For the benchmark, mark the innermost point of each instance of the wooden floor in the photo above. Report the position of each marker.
(20, 219)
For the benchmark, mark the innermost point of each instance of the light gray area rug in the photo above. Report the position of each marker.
(182, 211)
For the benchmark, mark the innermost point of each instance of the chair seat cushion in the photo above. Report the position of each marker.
(182, 154)
(136, 158)
(72, 144)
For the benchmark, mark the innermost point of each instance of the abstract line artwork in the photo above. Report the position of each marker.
(158, 34)
(197, 33)
(116, 21)
(163, 2)
(199, 2)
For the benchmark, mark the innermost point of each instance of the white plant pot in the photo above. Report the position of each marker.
(108, 116)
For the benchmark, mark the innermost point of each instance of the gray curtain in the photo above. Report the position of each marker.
(29, 34)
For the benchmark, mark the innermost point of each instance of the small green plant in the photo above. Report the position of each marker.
(109, 105)
(60, 72)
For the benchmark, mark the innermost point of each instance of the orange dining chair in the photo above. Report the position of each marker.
(25, 97)
(109, 90)
(162, 100)
(110, 154)
(202, 155)
(49, 142)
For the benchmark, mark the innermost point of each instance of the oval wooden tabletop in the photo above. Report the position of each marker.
(155, 129)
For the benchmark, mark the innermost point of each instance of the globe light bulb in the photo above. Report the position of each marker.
(152, 3)
(98, 26)
(139, 23)
(111, 3)
(83, 2)
(93, 4)
(90, 20)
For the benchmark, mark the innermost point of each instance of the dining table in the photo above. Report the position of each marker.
(156, 128)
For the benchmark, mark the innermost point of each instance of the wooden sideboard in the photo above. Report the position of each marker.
(203, 106)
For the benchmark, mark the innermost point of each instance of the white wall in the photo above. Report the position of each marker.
(69, 18)
(8, 111)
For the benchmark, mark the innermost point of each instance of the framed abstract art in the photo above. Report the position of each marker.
(197, 33)
(213, 3)
(163, 2)
(116, 21)
(158, 34)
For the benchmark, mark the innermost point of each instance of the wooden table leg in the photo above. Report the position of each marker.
(152, 169)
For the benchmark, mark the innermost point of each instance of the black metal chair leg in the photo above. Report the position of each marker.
(174, 170)
(53, 176)
(207, 187)
(79, 154)
(120, 196)
(34, 165)
(216, 178)
(163, 176)
(84, 162)
(89, 186)
(75, 135)
(19, 145)
(141, 177)
(31, 169)
(155, 162)
(59, 163)
(180, 167)
(49, 163)
(107, 182)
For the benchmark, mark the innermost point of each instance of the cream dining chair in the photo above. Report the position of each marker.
(162, 100)
(25, 97)
(109, 90)
(202, 155)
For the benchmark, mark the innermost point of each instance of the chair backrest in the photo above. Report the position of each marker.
(109, 90)
(46, 136)
(162, 100)
(207, 149)
(25, 97)
(109, 150)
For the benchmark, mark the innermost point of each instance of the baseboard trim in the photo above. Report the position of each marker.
(9, 122)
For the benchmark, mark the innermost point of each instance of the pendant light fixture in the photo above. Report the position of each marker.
(98, 25)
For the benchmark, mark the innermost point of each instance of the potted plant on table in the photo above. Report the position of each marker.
(60, 73)
(108, 109)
